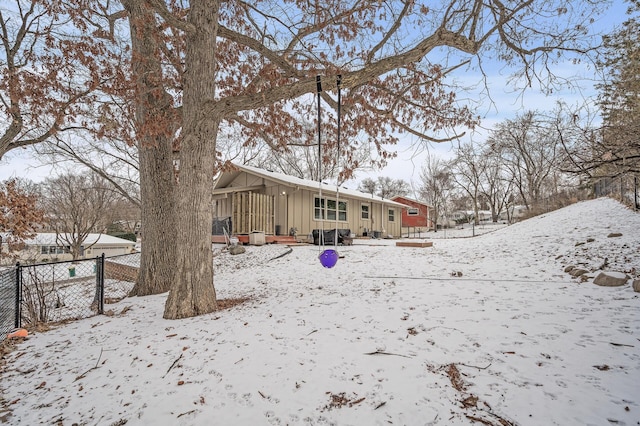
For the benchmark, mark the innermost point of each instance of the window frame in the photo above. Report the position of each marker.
(365, 211)
(328, 209)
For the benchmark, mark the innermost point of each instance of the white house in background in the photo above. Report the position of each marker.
(46, 247)
(515, 213)
(468, 215)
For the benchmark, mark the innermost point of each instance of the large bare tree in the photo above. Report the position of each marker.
(529, 146)
(436, 186)
(76, 206)
(468, 168)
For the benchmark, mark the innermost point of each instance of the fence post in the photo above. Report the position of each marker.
(18, 312)
(100, 282)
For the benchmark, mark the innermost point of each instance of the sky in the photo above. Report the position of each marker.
(506, 103)
(491, 328)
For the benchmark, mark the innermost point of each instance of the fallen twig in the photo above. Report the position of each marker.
(93, 368)
(382, 404)
(478, 419)
(386, 353)
(621, 344)
(186, 413)
(173, 365)
(282, 255)
(474, 366)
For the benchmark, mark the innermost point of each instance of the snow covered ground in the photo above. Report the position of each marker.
(486, 330)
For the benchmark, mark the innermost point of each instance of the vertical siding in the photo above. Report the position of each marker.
(295, 209)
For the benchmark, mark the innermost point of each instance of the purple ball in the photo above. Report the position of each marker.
(329, 258)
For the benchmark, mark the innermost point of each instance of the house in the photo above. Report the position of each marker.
(45, 247)
(514, 213)
(415, 216)
(249, 199)
(467, 216)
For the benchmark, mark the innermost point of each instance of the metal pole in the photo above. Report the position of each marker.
(321, 207)
(18, 298)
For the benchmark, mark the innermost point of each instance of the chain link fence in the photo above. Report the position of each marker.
(9, 309)
(63, 291)
(624, 188)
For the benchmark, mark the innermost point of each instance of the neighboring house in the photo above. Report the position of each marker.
(252, 199)
(46, 247)
(415, 215)
(515, 213)
(466, 216)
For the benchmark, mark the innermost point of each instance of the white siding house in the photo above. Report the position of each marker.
(46, 247)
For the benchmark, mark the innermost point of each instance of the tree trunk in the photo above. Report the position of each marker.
(155, 122)
(157, 188)
(193, 292)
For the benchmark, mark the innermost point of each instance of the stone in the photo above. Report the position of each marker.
(636, 285)
(237, 250)
(614, 235)
(576, 272)
(569, 268)
(611, 279)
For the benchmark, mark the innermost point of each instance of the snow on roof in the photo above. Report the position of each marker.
(49, 239)
(309, 184)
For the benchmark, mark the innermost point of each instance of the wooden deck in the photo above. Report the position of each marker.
(414, 244)
(244, 239)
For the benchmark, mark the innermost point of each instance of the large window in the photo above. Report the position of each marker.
(330, 209)
(392, 215)
(364, 211)
(412, 211)
(55, 249)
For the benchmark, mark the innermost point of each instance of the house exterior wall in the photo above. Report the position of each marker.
(421, 220)
(294, 208)
(301, 206)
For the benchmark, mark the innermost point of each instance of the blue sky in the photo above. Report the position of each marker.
(506, 103)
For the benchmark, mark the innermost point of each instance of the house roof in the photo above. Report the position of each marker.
(49, 239)
(409, 200)
(226, 178)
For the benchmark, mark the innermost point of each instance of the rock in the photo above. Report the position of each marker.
(237, 250)
(576, 272)
(579, 243)
(614, 235)
(590, 240)
(569, 268)
(636, 285)
(611, 279)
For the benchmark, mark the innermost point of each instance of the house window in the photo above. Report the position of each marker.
(44, 249)
(413, 211)
(318, 213)
(364, 211)
(330, 209)
(392, 215)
